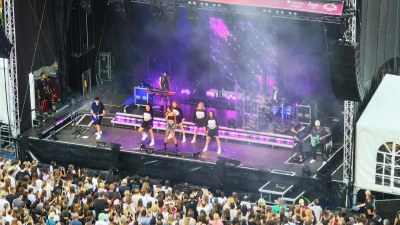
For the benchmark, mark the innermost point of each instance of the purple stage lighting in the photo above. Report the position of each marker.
(211, 94)
(185, 91)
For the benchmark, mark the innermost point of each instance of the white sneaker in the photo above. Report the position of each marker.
(98, 137)
(97, 133)
(219, 151)
(183, 139)
(144, 136)
(193, 141)
(205, 149)
(169, 136)
(151, 143)
(312, 161)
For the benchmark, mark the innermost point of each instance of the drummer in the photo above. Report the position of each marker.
(278, 94)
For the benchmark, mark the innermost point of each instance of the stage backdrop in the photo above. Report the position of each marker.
(377, 155)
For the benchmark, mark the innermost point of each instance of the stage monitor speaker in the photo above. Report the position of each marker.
(344, 67)
(221, 168)
(115, 149)
(25, 142)
(326, 181)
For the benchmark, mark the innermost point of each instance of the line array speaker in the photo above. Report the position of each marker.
(344, 67)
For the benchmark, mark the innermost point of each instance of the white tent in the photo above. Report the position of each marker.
(377, 155)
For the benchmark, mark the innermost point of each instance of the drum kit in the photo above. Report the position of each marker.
(271, 115)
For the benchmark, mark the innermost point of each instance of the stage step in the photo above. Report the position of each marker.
(246, 136)
(272, 190)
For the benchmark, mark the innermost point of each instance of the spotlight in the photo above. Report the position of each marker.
(232, 123)
(142, 146)
(196, 155)
(231, 161)
(172, 14)
(156, 11)
(192, 14)
(86, 6)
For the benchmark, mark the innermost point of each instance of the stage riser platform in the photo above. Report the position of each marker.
(225, 133)
(173, 169)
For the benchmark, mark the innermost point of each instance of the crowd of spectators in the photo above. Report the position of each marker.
(68, 196)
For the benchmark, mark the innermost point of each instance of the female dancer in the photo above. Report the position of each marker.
(170, 117)
(179, 119)
(212, 126)
(147, 124)
(199, 120)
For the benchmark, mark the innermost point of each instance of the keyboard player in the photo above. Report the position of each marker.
(164, 83)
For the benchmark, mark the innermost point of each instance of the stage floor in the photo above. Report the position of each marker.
(250, 155)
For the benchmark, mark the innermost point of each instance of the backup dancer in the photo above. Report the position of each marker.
(179, 119)
(199, 120)
(213, 131)
(170, 117)
(147, 124)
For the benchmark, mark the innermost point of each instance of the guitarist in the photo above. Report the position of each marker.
(98, 111)
(320, 131)
(298, 137)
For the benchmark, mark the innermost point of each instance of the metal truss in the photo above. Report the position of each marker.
(349, 35)
(13, 101)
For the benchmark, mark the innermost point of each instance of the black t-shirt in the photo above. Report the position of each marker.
(10, 198)
(110, 178)
(99, 206)
(98, 109)
(368, 206)
(42, 85)
(378, 220)
(22, 174)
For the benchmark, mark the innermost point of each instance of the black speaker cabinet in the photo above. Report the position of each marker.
(115, 149)
(221, 168)
(344, 67)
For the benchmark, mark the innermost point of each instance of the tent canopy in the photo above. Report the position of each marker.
(378, 140)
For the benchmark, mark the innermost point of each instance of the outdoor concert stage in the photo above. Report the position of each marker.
(257, 151)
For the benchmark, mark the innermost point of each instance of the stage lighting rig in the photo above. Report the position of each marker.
(192, 13)
(101, 144)
(156, 11)
(172, 14)
(196, 155)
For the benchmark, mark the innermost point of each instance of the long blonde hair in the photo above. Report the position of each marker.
(200, 106)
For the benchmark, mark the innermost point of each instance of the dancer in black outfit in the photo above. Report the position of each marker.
(170, 117)
(199, 119)
(213, 131)
(179, 119)
(147, 124)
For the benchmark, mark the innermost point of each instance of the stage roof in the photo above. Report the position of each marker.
(328, 8)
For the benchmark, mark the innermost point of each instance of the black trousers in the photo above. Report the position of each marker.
(321, 147)
(300, 144)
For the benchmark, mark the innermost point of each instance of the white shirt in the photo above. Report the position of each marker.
(275, 92)
(200, 114)
(317, 211)
(100, 222)
(206, 209)
(222, 201)
(2, 202)
(169, 189)
(176, 112)
(147, 198)
(32, 198)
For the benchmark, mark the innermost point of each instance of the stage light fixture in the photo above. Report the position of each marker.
(196, 154)
(172, 14)
(230, 161)
(86, 6)
(101, 144)
(192, 14)
(53, 135)
(142, 146)
(156, 11)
